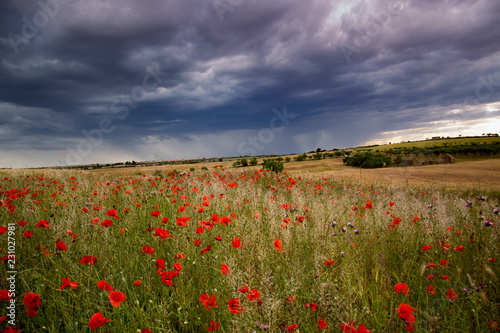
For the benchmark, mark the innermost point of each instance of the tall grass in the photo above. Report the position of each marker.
(328, 219)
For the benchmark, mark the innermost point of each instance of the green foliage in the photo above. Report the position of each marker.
(368, 160)
(301, 158)
(244, 162)
(273, 165)
(204, 168)
(253, 162)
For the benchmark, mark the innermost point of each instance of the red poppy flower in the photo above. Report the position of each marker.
(197, 242)
(5, 295)
(405, 312)
(103, 285)
(219, 238)
(91, 260)
(446, 246)
(244, 289)
(253, 295)
(43, 224)
(177, 266)
(460, 248)
(290, 299)
(181, 256)
(236, 243)
(451, 295)
(213, 326)
(113, 213)
(155, 213)
(148, 249)
(68, 283)
(107, 223)
(162, 233)
(137, 283)
(205, 250)
(28, 234)
(443, 262)
(329, 262)
(312, 306)
(430, 290)
(146, 330)
(225, 220)
(234, 306)
(322, 325)
(160, 263)
(277, 245)
(182, 221)
(292, 328)
(431, 264)
(208, 301)
(402, 288)
(164, 220)
(116, 297)
(391, 203)
(97, 320)
(445, 277)
(33, 302)
(22, 223)
(224, 269)
(426, 247)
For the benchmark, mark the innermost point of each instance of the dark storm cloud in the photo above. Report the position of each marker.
(201, 78)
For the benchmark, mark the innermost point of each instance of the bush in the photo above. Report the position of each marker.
(368, 160)
(301, 158)
(191, 169)
(253, 161)
(244, 162)
(273, 165)
(204, 168)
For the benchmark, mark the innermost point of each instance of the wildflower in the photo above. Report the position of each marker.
(405, 312)
(443, 262)
(97, 320)
(402, 288)
(224, 269)
(61, 246)
(68, 283)
(43, 224)
(103, 285)
(113, 213)
(213, 326)
(147, 249)
(329, 262)
(451, 295)
(91, 260)
(177, 266)
(349, 328)
(33, 302)
(155, 213)
(312, 306)
(292, 328)
(107, 223)
(253, 295)
(137, 283)
(278, 245)
(5, 295)
(28, 234)
(236, 243)
(460, 248)
(445, 277)
(244, 289)
(322, 325)
(430, 290)
(290, 299)
(205, 250)
(208, 301)
(234, 306)
(116, 297)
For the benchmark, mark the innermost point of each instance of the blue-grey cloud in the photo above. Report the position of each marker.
(113, 80)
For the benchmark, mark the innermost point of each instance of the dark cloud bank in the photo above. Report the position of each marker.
(108, 81)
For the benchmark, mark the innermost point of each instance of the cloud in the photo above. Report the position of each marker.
(200, 80)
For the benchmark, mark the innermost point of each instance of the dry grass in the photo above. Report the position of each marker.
(469, 175)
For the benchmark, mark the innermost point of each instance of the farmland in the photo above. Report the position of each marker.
(243, 250)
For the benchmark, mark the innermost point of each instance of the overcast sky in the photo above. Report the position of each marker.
(109, 81)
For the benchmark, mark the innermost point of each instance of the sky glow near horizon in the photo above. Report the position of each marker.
(107, 81)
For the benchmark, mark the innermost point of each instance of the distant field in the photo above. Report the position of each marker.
(430, 143)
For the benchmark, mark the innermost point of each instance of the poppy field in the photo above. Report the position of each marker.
(243, 251)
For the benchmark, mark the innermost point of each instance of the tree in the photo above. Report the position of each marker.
(253, 161)
(244, 162)
(288, 159)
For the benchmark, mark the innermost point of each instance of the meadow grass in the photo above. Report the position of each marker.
(371, 235)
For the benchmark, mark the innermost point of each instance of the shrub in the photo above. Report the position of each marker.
(253, 161)
(273, 165)
(368, 160)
